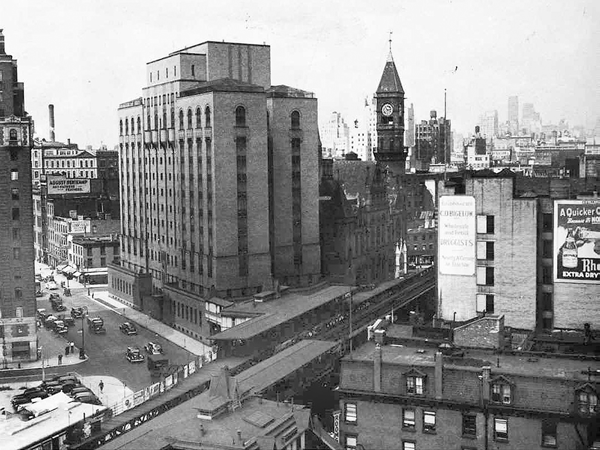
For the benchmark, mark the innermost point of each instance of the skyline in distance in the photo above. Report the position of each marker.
(87, 57)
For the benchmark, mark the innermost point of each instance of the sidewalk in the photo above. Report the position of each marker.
(176, 337)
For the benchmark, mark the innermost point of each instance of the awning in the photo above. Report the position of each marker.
(61, 267)
(77, 274)
(69, 269)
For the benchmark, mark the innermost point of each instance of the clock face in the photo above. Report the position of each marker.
(387, 109)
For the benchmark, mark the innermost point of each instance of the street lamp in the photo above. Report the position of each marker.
(82, 348)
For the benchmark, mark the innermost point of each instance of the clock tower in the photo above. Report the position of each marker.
(390, 118)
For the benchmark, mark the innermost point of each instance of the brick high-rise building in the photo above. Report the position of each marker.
(219, 184)
(17, 287)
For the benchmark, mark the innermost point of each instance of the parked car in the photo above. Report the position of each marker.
(69, 321)
(128, 328)
(52, 286)
(54, 296)
(80, 390)
(35, 392)
(18, 401)
(60, 327)
(153, 348)
(87, 398)
(77, 312)
(49, 322)
(449, 349)
(134, 355)
(38, 277)
(96, 325)
(66, 378)
(68, 386)
(42, 314)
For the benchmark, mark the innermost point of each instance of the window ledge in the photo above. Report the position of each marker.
(501, 440)
(429, 431)
(549, 445)
(351, 423)
(469, 436)
(409, 429)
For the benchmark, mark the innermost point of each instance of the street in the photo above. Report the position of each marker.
(106, 352)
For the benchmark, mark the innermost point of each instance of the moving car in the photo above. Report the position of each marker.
(449, 349)
(57, 303)
(60, 327)
(96, 325)
(153, 348)
(134, 355)
(69, 321)
(128, 328)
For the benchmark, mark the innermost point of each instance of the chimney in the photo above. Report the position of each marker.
(439, 373)
(51, 116)
(379, 336)
(486, 375)
(377, 368)
(2, 50)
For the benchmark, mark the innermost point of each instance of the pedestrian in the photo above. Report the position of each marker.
(67, 348)
(59, 359)
(101, 386)
(92, 295)
(72, 345)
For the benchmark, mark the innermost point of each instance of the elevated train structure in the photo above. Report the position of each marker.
(284, 353)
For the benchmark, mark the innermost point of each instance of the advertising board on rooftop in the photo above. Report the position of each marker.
(456, 235)
(63, 185)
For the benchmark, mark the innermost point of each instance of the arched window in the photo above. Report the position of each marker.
(121, 127)
(181, 118)
(148, 123)
(156, 121)
(132, 126)
(139, 125)
(172, 117)
(198, 118)
(12, 135)
(295, 120)
(240, 116)
(126, 127)
(189, 117)
(207, 118)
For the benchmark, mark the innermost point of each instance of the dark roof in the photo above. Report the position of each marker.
(278, 311)
(354, 176)
(282, 90)
(390, 81)
(223, 85)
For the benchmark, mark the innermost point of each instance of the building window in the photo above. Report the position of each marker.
(295, 120)
(409, 445)
(501, 393)
(485, 250)
(429, 421)
(350, 412)
(549, 427)
(207, 116)
(587, 401)
(408, 419)
(469, 425)
(485, 224)
(14, 174)
(500, 429)
(15, 193)
(19, 311)
(240, 116)
(351, 442)
(16, 214)
(485, 276)
(198, 118)
(181, 119)
(414, 385)
(189, 118)
(485, 303)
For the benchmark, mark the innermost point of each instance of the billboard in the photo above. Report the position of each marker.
(63, 185)
(456, 235)
(80, 226)
(576, 241)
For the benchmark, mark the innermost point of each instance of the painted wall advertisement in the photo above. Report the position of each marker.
(456, 235)
(63, 185)
(577, 241)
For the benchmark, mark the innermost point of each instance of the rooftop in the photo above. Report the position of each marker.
(256, 425)
(277, 311)
(506, 363)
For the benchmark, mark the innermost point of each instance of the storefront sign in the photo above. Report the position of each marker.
(577, 241)
(63, 185)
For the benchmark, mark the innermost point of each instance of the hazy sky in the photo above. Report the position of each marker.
(86, 56)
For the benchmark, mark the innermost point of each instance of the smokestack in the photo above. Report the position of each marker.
(51, 115)
(2, 50)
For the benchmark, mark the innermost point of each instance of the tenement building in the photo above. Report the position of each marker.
(17, 288)
(219, 184)
(404, 394)
(526, 248)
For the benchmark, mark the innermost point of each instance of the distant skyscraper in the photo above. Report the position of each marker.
(410, 127)
(17, 298)
(513, 114)
(335, 136)
(489, 125)
(360, 141)
(531, 121)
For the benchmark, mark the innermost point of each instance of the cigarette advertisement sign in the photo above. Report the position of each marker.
(456, 235)
(577, 241)
(63, 185)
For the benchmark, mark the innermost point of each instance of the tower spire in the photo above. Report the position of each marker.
(390, 58)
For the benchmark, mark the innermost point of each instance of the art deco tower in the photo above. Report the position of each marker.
(17, 286)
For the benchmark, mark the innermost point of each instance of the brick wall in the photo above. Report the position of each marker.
(487, 332)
